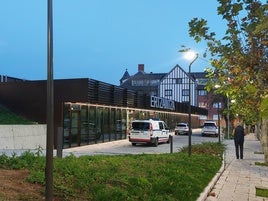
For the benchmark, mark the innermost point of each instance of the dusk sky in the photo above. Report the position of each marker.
(100, 39)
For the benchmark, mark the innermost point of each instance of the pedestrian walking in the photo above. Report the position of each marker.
(239, 134)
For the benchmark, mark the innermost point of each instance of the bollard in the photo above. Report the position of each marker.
(171, 143)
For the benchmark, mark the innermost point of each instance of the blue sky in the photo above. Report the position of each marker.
(100, 39)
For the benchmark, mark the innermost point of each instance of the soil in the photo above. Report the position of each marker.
(14, 186)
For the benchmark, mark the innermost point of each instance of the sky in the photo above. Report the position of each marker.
(100, 39)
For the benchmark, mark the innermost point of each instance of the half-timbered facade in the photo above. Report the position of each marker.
(175, 86)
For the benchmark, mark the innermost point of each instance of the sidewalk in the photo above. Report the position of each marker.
(239, 178)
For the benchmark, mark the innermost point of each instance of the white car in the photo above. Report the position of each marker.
(149, 131)
(181, 129)
(210, 128)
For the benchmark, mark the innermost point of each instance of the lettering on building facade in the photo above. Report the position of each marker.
(162, 103)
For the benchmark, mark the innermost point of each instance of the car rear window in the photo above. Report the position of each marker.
(140, 125)
(209, 124)
(181, 125)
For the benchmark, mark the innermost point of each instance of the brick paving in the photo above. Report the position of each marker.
(239, 178)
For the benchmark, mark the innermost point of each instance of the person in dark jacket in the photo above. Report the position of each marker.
(239, 134)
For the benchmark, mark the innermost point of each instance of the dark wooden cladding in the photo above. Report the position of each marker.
(106, 94)
(29, 97)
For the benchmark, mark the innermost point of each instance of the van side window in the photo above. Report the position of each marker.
(161, 127)
(166, 126)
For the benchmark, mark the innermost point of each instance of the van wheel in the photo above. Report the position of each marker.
(156, 142)
(133, 144)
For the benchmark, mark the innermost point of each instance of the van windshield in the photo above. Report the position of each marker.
(140, 125)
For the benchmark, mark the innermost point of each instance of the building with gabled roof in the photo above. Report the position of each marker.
(175, 86)
(142, 82)
(172, 85)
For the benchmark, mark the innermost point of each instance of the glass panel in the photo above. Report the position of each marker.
(136, 114)
(124, 124)
(118, 124)
(92, 126)
(113, 125)
(66, 126)
(106, 124)
(84, 125)
(99, 124)
(75, 129)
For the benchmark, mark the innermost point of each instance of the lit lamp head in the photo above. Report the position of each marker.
(190, 55)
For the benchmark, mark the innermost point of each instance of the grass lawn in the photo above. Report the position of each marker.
(263, 192)
(156, 177)
(8, 117)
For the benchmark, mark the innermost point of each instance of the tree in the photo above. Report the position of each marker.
(239, 60)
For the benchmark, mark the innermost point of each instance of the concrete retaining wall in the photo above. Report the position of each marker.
(22, 136)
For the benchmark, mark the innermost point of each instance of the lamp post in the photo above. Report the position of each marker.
(50, 106)
(190, 56)
(228, 118)
(219, 122)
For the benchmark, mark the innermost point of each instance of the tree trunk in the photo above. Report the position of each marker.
(264, 139)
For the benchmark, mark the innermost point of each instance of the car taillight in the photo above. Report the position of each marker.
(151, 129)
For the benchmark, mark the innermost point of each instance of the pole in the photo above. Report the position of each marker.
(50, 106)
(189, 116)
(171, 143)
(228, 119)
(189, 110)
(219, 123)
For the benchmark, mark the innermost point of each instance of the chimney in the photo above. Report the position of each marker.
(141, 67)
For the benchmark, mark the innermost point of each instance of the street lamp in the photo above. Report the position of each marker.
(228, 118)
(50, 106)
(192, 56)
(219, 122)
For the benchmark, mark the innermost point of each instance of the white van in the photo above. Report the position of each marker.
(149, 131)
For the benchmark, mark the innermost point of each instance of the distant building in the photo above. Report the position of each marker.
(142, 82)
(174, 85)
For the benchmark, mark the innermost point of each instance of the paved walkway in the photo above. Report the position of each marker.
(240, 178)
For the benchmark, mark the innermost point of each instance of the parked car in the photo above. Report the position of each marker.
(149, 131)
(209, 128)
(181, 129)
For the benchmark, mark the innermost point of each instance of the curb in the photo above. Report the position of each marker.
(203, 196)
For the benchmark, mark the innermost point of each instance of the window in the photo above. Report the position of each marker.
(168, 92)
(203, 117)
(178, 80)
(161, 127)
(215, 105)
(215, 117)
(185, 92)
(146, 82)
(201, 81)
(202, 92)
(202, 104)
